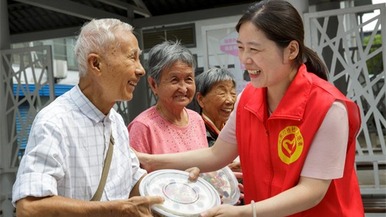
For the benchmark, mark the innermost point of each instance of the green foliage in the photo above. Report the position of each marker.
(375, 64)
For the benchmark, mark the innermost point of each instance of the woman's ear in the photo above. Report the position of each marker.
(200, 98)
(293, 50)
(152, 84)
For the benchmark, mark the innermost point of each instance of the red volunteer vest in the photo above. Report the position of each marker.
(273, 150)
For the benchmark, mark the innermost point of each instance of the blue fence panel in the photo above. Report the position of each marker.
(21, 91)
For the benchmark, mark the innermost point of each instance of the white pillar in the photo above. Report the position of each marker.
(301, 6)
(7, 176)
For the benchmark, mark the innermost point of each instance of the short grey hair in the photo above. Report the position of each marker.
(206, 80)
(96, 36)
(164, 55)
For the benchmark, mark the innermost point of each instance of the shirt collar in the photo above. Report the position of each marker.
(86, 106)
(210, 124)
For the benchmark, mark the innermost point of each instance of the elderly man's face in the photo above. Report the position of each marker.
(122, 69)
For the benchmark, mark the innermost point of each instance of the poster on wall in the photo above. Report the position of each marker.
(229, 46)
(220, 43)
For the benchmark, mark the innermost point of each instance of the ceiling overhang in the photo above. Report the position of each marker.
(78, 10)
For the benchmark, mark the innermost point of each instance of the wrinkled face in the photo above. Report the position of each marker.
(219, 102)
(177, 86)
(121, 68)
(266, 63)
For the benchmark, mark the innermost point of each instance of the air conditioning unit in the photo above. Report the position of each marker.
(60, 68)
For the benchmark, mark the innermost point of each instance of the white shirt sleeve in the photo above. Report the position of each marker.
(327, 154)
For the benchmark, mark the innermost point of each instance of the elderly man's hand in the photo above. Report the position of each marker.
(136, 206)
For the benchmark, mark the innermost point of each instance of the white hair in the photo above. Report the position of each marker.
(96, 36)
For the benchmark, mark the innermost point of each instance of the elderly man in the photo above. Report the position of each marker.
(66, 163)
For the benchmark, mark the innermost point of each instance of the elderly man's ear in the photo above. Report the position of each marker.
(94, 62)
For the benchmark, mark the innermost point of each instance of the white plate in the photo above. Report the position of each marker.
(226, 184)
(182, 197)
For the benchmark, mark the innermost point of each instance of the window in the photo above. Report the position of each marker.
(184, 33)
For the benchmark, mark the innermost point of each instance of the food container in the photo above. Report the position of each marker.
(226, 184)
(182, 197)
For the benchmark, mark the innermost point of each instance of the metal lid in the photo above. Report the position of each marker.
(182, 197)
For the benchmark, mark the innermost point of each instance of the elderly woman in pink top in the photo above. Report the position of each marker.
(169, 126)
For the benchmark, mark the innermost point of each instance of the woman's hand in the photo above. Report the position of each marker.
(144, 160)
(235, 166)
(194, 173)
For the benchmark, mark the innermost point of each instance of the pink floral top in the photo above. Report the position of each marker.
(150, 133)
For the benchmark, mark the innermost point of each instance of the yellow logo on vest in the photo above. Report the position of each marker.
(290, 144)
